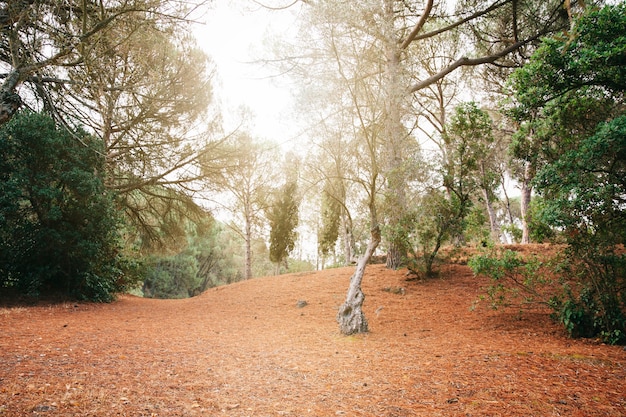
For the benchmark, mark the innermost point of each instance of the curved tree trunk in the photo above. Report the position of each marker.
(350, 316)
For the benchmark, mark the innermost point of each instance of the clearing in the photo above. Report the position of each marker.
(249, 349)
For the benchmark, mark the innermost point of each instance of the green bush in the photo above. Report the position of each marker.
(58, 224)
(515, 280)
(570, 95)
(587, 301)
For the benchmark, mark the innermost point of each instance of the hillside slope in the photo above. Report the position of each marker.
(247, 349)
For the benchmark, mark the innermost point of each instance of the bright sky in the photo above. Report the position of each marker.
(235, 34)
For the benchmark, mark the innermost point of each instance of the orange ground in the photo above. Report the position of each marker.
(248, 350)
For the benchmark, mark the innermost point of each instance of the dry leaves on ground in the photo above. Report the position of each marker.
(250, 349)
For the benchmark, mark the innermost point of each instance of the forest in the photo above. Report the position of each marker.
(428, 125)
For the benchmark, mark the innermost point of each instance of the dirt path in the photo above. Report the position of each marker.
(248, 350)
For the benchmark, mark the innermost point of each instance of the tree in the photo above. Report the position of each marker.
(59, 230)
(571, 95)
(470, 167)
(42, 39)
(372, 49)
(331, 218)
(242, 181)
(130, 73)
(283, 219)
(385, 52)
(444, 208)
(148, 86)
(350, 316)
(208, 260)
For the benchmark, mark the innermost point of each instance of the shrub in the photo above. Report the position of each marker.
(515, 280)
(58, 224)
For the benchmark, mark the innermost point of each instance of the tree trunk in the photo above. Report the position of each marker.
(347, 238)
(396, 256)
(248, 239)
(525, 201)
(507, 200)
(10, 102)
(396, 136)
(494, 227)
(350, 316)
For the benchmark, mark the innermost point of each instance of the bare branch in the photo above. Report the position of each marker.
(470, 62)
(276, 8)
(419, 25)
(458, 23)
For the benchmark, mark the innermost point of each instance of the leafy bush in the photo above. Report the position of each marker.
(586, 300)
(539, 229)
(58, 224)
(516, 281)
(594, 303)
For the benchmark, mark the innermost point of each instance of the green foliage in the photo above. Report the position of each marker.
(171, 277)
(596, 298)
(206, 261)
(571, 97)
(477, 226)
(515, 280)
(329, 230)
(539, 228)
(443, 215)
(593, 54)
(467, 140)
(157, 217)
(438, 218)
(295, 265)
(283, 218)
(399, 237)
(58, 225)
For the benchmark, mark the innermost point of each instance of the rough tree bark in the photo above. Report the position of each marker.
(395, 139)
(350, 316)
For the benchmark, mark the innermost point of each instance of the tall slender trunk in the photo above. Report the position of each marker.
(506, 199)
(525, 201)
(248, 240)
(494, 227)
(347, 238)
(395, 138)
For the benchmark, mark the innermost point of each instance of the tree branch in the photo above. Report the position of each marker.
(470, 62)
(419, 25)
(453, 25)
